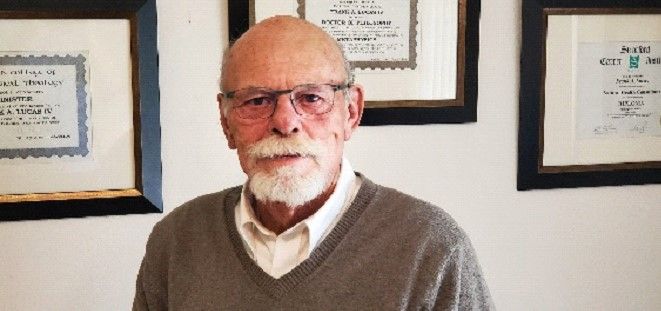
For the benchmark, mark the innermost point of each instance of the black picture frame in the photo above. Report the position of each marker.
(146, 197)
(532, 174)
(462, 110)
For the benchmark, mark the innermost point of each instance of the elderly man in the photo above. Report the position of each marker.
(305, 231)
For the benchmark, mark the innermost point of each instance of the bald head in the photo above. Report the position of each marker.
(282, 42)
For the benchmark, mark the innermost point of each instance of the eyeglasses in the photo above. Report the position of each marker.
(307, 99)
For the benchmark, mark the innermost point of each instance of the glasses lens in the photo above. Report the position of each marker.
(313, 99)
(254, 103)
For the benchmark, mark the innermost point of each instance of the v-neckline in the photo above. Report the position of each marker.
(278, 288)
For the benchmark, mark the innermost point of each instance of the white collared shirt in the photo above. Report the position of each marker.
(279, 254)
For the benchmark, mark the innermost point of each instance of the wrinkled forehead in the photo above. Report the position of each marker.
(283, 52)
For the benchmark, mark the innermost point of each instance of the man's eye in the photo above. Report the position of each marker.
(257, 101)
(310, 98)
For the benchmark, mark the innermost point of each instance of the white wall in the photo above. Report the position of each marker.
(572, 249)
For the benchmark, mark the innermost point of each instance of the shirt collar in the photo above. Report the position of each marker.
(320, 221)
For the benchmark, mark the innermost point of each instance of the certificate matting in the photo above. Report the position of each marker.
(111, 165)
(590, 117)
(121, 39)
(554, 149)
(446, 93)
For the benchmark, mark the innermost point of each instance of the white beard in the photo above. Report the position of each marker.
(286, 184)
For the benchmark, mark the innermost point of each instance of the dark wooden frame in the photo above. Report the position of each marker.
(460, 110)
(532, 174)
(146, 197)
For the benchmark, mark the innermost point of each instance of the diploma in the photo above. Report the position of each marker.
(374, 33)
(618, 89)
(44, 105)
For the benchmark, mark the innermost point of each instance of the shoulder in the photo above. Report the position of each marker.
(414, 218)
(197, 214)
(203, 205)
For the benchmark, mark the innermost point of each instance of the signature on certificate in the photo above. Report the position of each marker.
(640, 127)
(605, 129)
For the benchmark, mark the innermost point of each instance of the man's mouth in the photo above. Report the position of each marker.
(286, 156)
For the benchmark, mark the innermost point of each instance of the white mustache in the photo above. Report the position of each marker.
(274, 146)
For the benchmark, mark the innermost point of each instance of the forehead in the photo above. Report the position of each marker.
(281, 56)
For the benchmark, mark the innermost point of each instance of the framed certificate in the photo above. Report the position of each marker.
(590, 102)
(79, 109)
(416, 58)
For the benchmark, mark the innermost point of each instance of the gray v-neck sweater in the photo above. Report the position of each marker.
(389, 251)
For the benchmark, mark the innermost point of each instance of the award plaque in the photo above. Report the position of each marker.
(79, 109)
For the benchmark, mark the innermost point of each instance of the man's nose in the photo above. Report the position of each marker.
(285, 120)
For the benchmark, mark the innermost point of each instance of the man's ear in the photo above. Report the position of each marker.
(223, 122)
(356, 105)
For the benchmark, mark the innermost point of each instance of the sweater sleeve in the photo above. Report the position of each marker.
(140, 299)
(462, 284)
(151, 283)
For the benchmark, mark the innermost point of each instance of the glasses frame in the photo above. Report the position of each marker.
(277, 93)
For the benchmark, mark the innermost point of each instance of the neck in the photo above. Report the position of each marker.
(278, 217)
